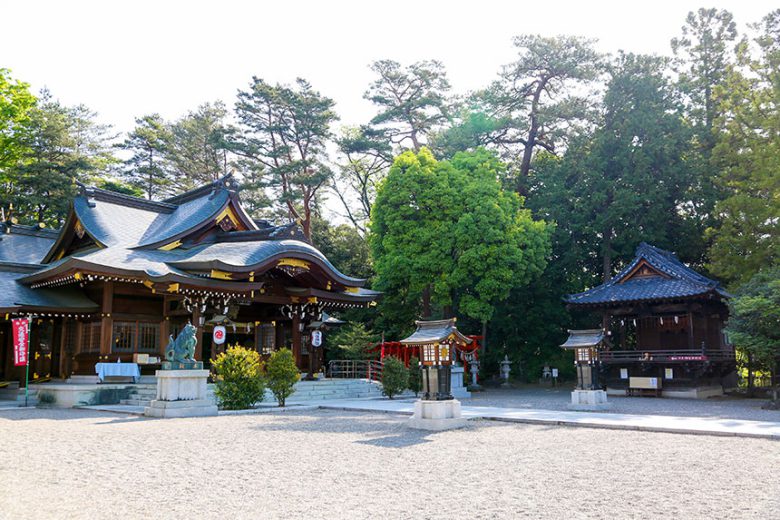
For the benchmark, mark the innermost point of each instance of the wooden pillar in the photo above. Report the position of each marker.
(278, 334)
(64, 361)
(316, 356)
(165, 326)
(107, 322)
(691, 346)
(198, 333)
(296, 339)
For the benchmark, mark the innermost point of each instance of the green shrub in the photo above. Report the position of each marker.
(353, 341)
(238, 378)
(282, 374)
(46, 398)
(395, 377)
(415, 376)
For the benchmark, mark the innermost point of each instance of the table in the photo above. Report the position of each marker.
(104, 370)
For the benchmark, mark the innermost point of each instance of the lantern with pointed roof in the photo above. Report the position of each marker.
(437, 340)
(585, 344)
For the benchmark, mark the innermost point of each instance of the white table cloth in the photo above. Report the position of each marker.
(104, 370)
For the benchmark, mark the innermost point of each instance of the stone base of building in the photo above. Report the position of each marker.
(189, 408)
(697, 392)
(437, 415)
(69, 395)
(181, 393)
(589, 400)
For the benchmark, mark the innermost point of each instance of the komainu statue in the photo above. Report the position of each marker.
(182, 349)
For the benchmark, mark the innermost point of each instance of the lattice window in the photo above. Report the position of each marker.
(71, 336)
(124, 335)
(134, 336)
(90, 338)
(149, 337)
(305, 344)
(266, 336)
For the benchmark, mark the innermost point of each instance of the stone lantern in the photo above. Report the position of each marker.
(437, 409)
(588, 394)
(436, 361)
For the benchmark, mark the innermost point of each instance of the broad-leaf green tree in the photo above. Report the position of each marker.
(754, 324)
(16, 101)
(445, 235)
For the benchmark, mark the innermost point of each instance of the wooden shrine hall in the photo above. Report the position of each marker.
(662, 322)
(124, 273)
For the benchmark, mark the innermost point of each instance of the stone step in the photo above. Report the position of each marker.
(145, 393)
(136, 402)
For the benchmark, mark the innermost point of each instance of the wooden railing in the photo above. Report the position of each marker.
(665, 356)
(355, 369)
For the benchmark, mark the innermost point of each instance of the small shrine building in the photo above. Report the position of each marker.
(662, 320)
(124, 273)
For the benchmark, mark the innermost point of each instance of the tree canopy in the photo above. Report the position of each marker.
(446, 234)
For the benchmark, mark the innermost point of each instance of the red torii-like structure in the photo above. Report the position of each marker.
(406, 352)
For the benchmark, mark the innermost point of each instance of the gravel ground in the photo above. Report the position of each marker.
(328, 464)
(559, 398)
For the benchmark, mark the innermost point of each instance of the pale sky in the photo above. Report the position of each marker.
(127, 59)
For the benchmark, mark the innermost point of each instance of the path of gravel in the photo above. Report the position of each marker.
(559, 398)
(328, 464)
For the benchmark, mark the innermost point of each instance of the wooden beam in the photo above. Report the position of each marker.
(296, 339)
(198, 333)
(107, 321)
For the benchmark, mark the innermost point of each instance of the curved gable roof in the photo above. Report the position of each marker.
(679, 281)
(258, 255)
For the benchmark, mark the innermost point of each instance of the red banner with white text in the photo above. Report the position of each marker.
(21, 341)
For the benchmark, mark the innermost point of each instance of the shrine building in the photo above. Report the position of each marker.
(124, 273)
(662, 325)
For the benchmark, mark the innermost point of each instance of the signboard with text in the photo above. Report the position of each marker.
(20, 328)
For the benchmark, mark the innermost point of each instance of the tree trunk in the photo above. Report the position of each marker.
(533, 132)
(415, 142)
(751, 376)
(426, 302)
(607, 255)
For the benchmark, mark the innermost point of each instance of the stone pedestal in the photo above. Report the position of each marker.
(181, 393)
(437, 415)
(589, 400)
(456, 383)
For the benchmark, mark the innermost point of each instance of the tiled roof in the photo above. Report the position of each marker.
(584, 338)
(25, 244)
(435, 331)
(14, 294)
(129, 231)
(677, 281)
(248, 255)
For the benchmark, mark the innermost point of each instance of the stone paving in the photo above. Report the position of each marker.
(558, 399)
(612, 421)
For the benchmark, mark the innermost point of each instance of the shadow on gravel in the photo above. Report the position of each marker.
(66, 414)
